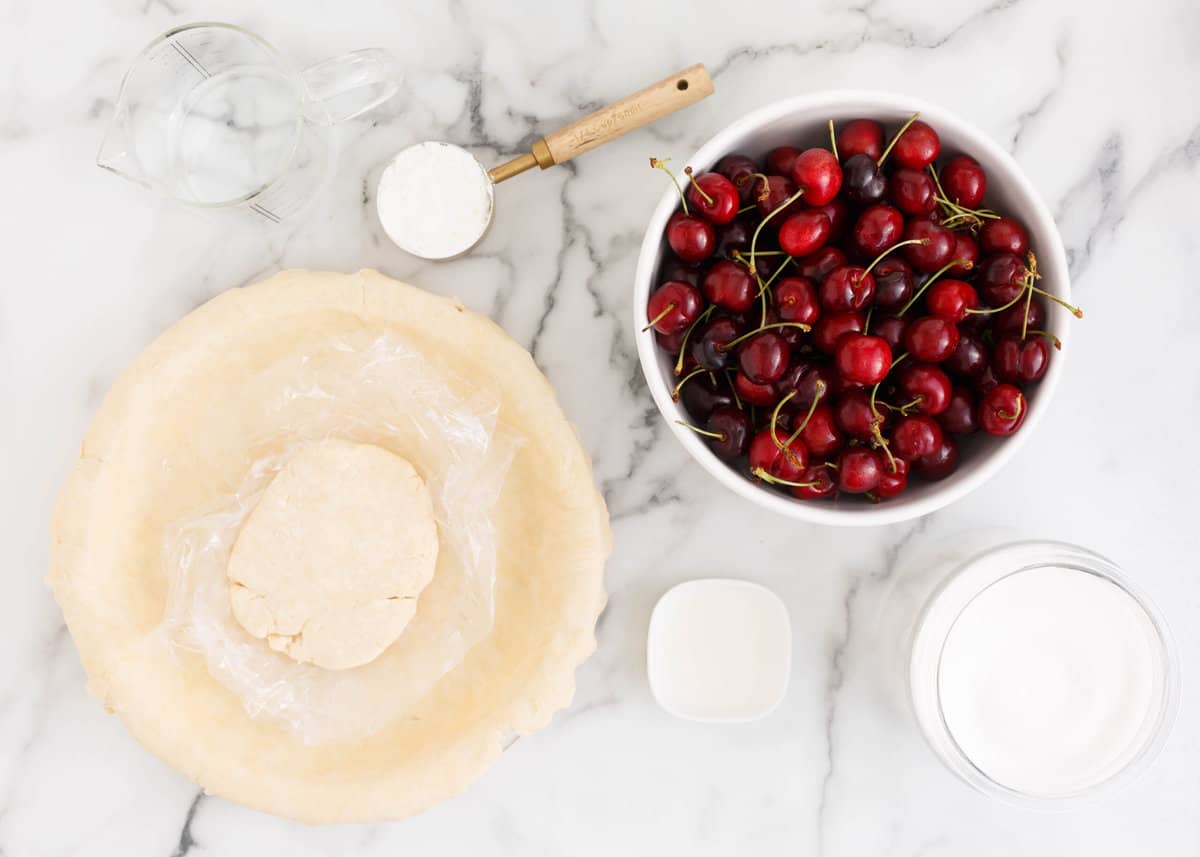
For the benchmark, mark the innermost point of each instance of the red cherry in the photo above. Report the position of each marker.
(833, 326)
(890, 329)
(964, 248)
(931, 339)
(915, 437)
(816, 266)
(671, 344)
(912, 191)
(1004, 235)
(838, 213)
(863, 359)
(928, 384)
(950, 299)
(854, 415)
(779, 190)
(804, 233)
(713, 197)
(673, 307)
(964, 181)
(970, 358)
(859, 470)
(818, 481)
(819, 173)
(808, 380)
(787, 463)
(677, 269)
(893, 283)
(847, 289)
(740, 170)
(762, 395)
(937, 250)
(1020, 360)
(691, 238)
(941, 463)
(710, 343)
(820, 434)
(1002, 410)
(893, 480)
(733, 427)
(1001, 278)
(877, 228)
(796, 300)
(1016, 318)
(959, 416)
(730, 285)
(986, 381)
(860, 137)
(734, 236)
(763, 358)
(918, 146)
(780, 159)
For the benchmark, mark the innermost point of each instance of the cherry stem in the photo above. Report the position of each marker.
(1074, 310)
(781, 207)
(1003, 307)
(766, 185)
(833, 141)
(882, 442)
(783, 447)
(1005, 415)
(812, 408)
(765, 287)
(688, 171)
(749, 207)
(776, 480)
(1025, 317)
(885, 253)
(867, 320)
(898, 135)
(689, 376)
(966, 263)
(958, 212)
(683, 343)
(1054, 339)
(717, 435)
(737, 400)
(661, 164)
(670, 308)
(725, 346)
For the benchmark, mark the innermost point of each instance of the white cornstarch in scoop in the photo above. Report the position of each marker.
(435, 200)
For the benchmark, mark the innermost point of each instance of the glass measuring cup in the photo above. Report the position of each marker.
(211, 115)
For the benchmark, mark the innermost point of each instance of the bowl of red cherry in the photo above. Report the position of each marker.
(851, 307)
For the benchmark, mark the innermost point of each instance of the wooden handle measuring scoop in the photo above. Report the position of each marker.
(643, 107)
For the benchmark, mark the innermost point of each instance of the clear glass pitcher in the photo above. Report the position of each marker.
(213, 116)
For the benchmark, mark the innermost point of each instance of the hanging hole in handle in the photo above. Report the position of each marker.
(682, 84)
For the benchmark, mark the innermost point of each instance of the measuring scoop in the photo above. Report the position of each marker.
(436, 200)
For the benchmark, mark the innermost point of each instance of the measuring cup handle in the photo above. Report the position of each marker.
(350, 85)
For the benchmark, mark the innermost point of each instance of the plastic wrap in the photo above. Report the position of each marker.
(367, 390)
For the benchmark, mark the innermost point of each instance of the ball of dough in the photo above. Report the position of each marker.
(328, 566)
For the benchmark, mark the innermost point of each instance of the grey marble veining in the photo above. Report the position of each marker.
(1095, 99)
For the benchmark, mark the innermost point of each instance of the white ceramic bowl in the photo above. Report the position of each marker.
(803, 121)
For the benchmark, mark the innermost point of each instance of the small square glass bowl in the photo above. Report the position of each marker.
(719, 651)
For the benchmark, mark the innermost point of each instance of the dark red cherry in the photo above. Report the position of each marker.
(941, 463)
(709, 346)
(817, 482)
(763, 358)
(959, 416)
(793, 336)
(819, 173)
(796, 300)
(780, 159)
(838, 213)
(779, 189)
(877, 228)
(890, 329)
(860, 137)
(859, 470)
(964, 181)
(863, 181)
(833, 326)
(673, 307)
(732, 425)
(912, 191)
(1002, 410)
(730, 286)
(691, 237)
(713, 197)
(970, 357)
(893, 283)
(681, 271)
(820, 434)
(766, 454)
(816, 266)
(937, 250)
(915, 436)
(926, 384)
(964, 248)
(740, 170)
(1015, 318)
(669, 343)
(701, 396)
(762, 395)
(847, 289)
(950, 299)
(853, 414)
(734, 237)
(918, 146)
(1004, 235)
(1001, 278)
(893, 480)
(1016, 360)
(809, 381)
(931, 339)
(804, 233)
(863, 359)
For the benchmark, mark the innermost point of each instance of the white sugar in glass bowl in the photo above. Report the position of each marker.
(803, 121)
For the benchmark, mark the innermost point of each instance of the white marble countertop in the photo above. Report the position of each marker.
(1095, 99)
